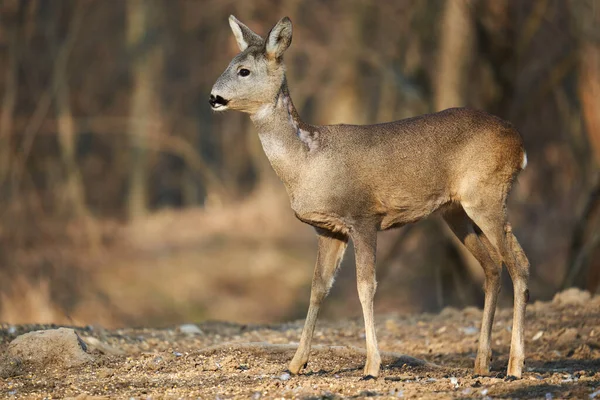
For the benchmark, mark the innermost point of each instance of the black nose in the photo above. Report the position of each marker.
(214, 100)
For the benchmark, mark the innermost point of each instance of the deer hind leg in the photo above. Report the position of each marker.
(365, 243)
(491, 262)
(490, 216)
(331, 247)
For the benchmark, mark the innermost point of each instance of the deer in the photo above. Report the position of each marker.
(351, 181)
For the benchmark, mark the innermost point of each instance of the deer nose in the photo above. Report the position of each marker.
(217, 100)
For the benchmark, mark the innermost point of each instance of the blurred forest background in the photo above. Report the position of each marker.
(125, 201)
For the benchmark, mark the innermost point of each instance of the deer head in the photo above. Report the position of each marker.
(254, 77)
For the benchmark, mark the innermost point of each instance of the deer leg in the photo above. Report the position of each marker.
(495, 226)
(331, 247)
(518, 269)
(365, 243)
(491, 262)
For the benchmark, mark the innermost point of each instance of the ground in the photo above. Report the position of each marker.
(243, 361)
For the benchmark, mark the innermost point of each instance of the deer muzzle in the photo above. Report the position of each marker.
(217, 102)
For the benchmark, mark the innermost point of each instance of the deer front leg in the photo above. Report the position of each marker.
(365, 243)
(331, 248)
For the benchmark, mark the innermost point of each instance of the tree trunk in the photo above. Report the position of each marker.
(583, 269)
(146, 55)
(67, 135)
(454, 55)
(454, 59)
(9, 99)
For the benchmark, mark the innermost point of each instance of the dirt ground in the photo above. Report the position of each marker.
(243, 361)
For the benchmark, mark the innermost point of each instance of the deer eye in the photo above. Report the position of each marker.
(244, 72)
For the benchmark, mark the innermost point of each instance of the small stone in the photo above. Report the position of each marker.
(105, 373)
(537, 336)
(177, 354)
(102, 347)
(284, 377)
(190, 329)
(211, 365)
(469, 330)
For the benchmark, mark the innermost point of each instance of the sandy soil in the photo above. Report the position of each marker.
(244, 361)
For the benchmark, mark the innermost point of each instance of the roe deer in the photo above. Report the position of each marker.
(350, 181)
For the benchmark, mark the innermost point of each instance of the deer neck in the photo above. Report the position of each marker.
(283, 136)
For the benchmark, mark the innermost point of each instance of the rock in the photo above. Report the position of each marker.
(537, 336)
(10, 366)
(284, 377)
(105, 373)
(190, 329)
(61, 348)
(469, 330)
(595, 394)
(572, 296)
(102, 347)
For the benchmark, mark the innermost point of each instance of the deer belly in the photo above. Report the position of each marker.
(399, 210)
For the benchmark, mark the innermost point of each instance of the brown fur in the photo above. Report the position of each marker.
(349, 181)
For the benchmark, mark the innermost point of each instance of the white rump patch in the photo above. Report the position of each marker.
(524, 162)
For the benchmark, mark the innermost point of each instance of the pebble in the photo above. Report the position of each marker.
(102, 347)
(105, 373)
(537, 336)
(284, 377)
(469, 330)
(190, 329)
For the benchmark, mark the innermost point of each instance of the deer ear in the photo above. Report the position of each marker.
(243, 35)
(279, 39)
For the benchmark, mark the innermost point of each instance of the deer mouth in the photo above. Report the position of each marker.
(218, 103)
